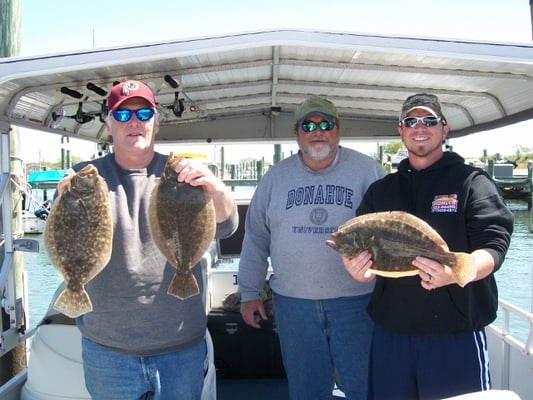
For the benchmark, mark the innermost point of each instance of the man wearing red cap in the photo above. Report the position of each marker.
(139, 342)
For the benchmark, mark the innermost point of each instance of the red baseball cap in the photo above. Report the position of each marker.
(127, 90)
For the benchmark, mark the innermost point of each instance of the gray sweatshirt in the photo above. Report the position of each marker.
(293, 212)
(132, 312)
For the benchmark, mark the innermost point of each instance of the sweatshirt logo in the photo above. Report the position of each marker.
(320, 195)
(318, 216)
(317, 199)
(445, 203)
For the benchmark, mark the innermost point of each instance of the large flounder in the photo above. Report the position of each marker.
(395, 239)
(78, 237)
(182, 222)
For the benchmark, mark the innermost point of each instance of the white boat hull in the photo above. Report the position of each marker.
(32, 224)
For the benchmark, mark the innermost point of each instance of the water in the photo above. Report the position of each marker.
(42, 279)
(514, 278)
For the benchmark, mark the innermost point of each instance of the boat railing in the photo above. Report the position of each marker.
(511, 359)
(504, 330)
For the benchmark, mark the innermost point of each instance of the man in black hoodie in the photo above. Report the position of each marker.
(429, 339)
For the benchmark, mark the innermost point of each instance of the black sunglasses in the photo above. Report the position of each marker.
(310, 126)
(142, 114)
(411, 122)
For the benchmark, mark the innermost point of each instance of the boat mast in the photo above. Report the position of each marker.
(531, 12)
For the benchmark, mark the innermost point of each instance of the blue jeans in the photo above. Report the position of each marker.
(114, 376)
(324, 340)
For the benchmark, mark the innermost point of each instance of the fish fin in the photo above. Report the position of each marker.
(183, 286)
(394, 274)
(73, 303)
(332, 244)
(465, 269)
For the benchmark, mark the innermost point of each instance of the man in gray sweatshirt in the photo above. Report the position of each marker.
(140, 342)
(320, 311)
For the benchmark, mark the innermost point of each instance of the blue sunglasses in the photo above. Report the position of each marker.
(310, 126)
(142, 114)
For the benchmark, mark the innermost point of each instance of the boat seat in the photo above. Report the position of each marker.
(55, 369)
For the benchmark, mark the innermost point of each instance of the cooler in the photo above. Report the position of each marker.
(242, 351)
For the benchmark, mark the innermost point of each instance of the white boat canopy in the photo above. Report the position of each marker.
(245, 87)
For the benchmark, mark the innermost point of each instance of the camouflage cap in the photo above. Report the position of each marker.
(316, 105)
(424, 101)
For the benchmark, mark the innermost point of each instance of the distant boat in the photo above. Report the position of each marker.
(35, 213)
(396, 158)
(32, 224)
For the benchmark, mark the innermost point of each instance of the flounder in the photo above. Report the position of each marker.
(395, 239)
(182, 222)
(78, 237)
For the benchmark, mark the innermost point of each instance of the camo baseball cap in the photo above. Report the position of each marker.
(424, 101)
(316, 105)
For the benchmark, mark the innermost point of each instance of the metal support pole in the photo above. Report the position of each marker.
(12, 348)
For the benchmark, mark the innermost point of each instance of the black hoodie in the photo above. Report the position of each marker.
(466, 208)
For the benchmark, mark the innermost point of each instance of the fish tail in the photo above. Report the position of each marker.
(183, 286)
(332, 244)
(464, 270)
(73, 303)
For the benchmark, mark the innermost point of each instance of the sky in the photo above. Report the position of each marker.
(55, 26)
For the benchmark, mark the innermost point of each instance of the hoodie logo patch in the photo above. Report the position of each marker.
(445, 203)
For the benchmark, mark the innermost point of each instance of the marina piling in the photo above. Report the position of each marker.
(12, 322)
